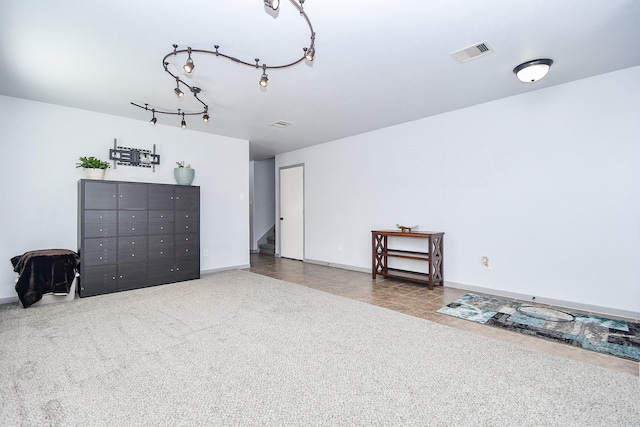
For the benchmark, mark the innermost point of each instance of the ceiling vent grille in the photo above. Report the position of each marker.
(281, 124)
(471, 52)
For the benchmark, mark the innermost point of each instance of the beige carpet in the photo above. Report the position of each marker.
(239, 349)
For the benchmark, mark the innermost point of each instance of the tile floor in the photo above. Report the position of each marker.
(416, 300)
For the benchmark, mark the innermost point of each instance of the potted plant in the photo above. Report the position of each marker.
(184, 174)
(95, 167)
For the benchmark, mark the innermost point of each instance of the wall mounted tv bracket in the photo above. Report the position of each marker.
(139, 157)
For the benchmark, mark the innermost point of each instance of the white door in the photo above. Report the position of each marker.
(292, 212)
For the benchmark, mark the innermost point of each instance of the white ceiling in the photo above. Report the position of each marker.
(378, 63)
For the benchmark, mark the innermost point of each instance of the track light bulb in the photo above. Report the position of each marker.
(310, 53)
(205, 118)
(183, 125)
(189, 66)
(153, 121)
(178, 92)
(273, 4)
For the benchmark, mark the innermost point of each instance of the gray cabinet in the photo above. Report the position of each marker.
(132, 235)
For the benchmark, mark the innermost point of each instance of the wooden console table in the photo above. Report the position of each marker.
(433, 255)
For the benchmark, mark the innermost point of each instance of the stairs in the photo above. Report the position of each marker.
(269, 247)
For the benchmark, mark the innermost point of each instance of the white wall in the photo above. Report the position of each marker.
(263, 199)
(41, 144)
(546, 184)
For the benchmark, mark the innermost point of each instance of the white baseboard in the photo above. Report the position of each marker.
(336, 265)
(513, 295)
(217, 270)
(594, 309)
(8, 300)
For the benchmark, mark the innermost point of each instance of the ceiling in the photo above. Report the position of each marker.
(377, 63)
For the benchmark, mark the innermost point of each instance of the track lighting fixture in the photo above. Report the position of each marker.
(177, 90)
(310, 53)
(189, 65)
(264, 80)
(273, 4)
(532, 71)
(183, 124)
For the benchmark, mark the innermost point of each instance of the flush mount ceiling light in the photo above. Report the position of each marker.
(532, 71)
(189, 65)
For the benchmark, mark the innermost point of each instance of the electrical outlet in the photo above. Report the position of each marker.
(205, 252)
(339, 248)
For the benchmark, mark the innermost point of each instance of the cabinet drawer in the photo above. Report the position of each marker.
(161, 247)
(187, 239)
(187, 250)
(99, 252)
(132, 276)
(100, 195)
(160, 222)
(99, 245)
(186, 222)
(100, 224)
(97, 280)
(160, 197)
(133, 249)
(132, 223)
(132, 196)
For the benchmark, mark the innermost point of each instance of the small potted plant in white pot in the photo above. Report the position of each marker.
(184, 174)
(94, 167)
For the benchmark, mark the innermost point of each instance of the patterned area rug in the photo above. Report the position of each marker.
(615, 337)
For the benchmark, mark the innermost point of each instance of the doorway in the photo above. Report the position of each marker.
(292, 212)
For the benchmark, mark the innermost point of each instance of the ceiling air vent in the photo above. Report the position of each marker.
(471, 52)
(281, 124)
